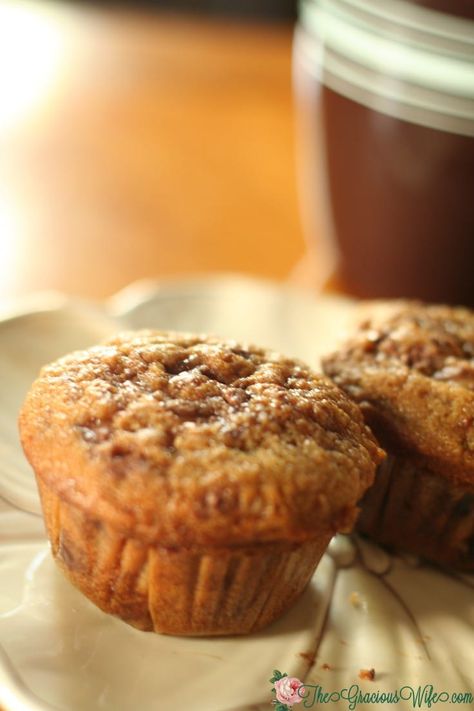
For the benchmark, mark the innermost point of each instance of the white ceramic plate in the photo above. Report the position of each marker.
(363, 609)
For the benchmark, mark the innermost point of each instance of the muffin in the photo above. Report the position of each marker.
(411, 369)
(189, 485)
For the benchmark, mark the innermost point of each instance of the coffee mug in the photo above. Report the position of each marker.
(385, 99)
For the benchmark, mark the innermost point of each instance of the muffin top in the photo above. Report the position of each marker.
(189, 440)
(411, 368)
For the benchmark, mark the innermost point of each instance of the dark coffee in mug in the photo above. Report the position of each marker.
(387, 92)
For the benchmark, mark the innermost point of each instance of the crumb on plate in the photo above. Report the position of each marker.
(308, 656)
(355, 599)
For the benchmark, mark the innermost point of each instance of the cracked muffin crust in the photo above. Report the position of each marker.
(172, 466)
(411, 369)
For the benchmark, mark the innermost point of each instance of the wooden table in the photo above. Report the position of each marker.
(142, 145)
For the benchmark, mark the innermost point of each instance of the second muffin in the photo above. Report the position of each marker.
(191, 485)
(411, 369)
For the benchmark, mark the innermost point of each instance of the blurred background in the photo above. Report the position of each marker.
(145, 140)
(177, 137)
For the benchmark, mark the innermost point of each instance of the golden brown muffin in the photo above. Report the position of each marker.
(412, 372)
(190, 485)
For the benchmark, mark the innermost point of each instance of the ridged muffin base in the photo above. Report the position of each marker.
(178, 591)
(410, 507)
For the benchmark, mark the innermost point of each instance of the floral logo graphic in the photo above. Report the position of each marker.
(286, 689)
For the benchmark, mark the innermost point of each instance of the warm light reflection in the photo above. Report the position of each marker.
(10, 245)
(29, 58)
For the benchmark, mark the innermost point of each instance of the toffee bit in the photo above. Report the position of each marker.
(368, 674)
